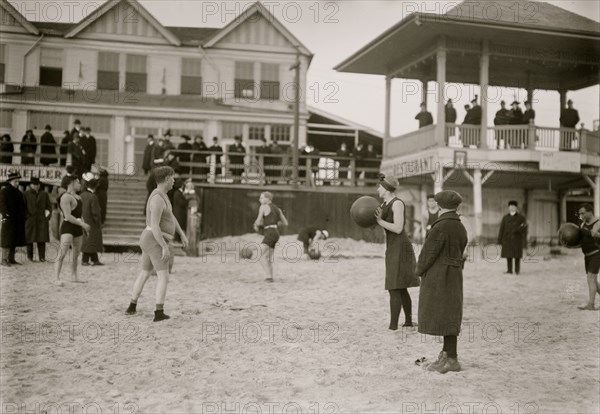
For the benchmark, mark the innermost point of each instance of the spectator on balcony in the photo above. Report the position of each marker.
(236, 157)
(77, 155)
(147, 158)
(167, 140)
(475, 112)
(373, 163)
(158, 153)
(171, 160)
(516, 115)
(502, 118)
(76, 128)
(198, 158)
(7, 149)
(88, 143)
(64, 147)
(308, 152)
(343, 151)
(424, 117)
(185, 157)
(28, 148)
(529, 115)
(467, 119)
(360, 153)
(275, 161)
(217, 150)
(48, 144)
(450, 112)
(569, 116)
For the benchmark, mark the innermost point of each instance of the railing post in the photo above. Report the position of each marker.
(531, 136)
(262, 173)
(352, 173)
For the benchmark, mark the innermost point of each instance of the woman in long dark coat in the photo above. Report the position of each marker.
(180, 205)
(440, 268)
(7, 147)
(37, 222)
(102, 192)
(399, 253)
(28, 148)
(12, 208)
(512, 237)
(92, 215)
(48, 144)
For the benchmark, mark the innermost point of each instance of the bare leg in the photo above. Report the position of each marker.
(592, 290)
(63, 248)
(77, 242)
(266, 254)
(139, 283)
(161, 286)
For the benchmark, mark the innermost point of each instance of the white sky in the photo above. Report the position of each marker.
(332, 31)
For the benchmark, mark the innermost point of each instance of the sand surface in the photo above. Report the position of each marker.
(316, 340)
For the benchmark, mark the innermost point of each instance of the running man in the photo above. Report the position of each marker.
(72, 228)
(269, 216)
(155, 241)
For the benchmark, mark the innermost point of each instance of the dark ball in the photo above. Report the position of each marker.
(246, 253)
(363, 211)
(569, 235)
(314, 254)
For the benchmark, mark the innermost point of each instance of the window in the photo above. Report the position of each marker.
(2, 61)
(191, 76)
(108, 71)
(256, 132)
(244, 80)
(231, 129)
(51, 67)
(280, 133)
(269, 81)
(135, 76)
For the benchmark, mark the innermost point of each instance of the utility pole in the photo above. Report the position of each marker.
(296, 130)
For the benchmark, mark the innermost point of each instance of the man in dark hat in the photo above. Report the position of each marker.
(185, 156)
(529, 115)
(48, 144)
(88, 143)
(12, 208)
(424, 117)
(76, 128)
(148, 151)
(516, 115)
(512, 237)
(236, 157)
(569, 117)
(475, 112)
(502, 118)
(468, 117)
(440, 267)
(37, 219)
(450, 119)
(217, 150)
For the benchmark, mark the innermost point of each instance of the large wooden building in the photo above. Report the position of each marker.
(125, 75)
(547, 170)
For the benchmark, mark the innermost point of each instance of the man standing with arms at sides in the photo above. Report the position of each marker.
(424, 117)
(12, 208)
(511, 237)
(590, 246)
(37, 216)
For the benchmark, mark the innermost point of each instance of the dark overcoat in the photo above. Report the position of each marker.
(12, 208)
(512, 235)
(37, 225)
(91, 214)
(48, 148)
(440, 266)
(180, 208)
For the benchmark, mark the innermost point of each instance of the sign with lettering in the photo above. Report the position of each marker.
(560, 161)
(47, 175)
(403, 167)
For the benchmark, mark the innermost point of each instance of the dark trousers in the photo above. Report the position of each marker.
(89, 257)
(41, 247)
(509, 262)
(8, 254)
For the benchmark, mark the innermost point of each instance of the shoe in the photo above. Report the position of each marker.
(586, 307)
(508, 273)
(31, 259)
(131, 310)
(450, 365)
(42, 260)
(410, 324)
(159, 315)
(5, 263)
(442, 357)
(97, 264)
(14, 262)
(85, 264)
(269, 279)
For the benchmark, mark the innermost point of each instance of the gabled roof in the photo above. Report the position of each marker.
(10, 9)
(92, 17)
(342, 121)
(53, 29)
(193, 36)
(258, 8)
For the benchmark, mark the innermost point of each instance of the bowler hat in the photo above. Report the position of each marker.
(13, 176)
(515, 103)
(448, 199)
(35, 180)
(513, 203)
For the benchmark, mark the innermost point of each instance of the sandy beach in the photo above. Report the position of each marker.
(316, 340)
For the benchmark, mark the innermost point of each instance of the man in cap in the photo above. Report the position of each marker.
(185, 156)
(88, 143)
(475, 112)
(569, 116)
(440, 267)
(37, 219)
(12, 208)
(147, 160)
(512, 237)
(424, 117)
(217, 150)
(502, 118)
(529, 115)
(516, 115)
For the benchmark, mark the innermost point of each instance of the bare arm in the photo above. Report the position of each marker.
(261, 213)
(283, 219)
(398, 225)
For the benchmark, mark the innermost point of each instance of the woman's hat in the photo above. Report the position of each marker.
(13, 176)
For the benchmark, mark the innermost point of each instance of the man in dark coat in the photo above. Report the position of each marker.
(158, 153)
(148, 151)
(102, 192)
(502, 118)
(440, 268)
(512, 237)
(424, 117)
(200, 157)
(236, 157)
(185, 156)
(569, 117)
(76, 128)
(28, 148)
(217, 150)
(529, 115)
(88, 143)
(475, 112)
(92, 215)
(77, 155)
(37, 219)
(516, 115)
(468, 116)
(450, 112)
(180, 206)
(64, 148)
(12, 208)
(48, 144)
(7, 148)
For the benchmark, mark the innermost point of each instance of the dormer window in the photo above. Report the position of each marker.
(51, 67)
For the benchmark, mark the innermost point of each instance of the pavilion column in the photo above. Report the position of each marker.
(424, 91)
(388, 97)
(597, 196)
(441, 82)
(563, 99)
(424, 211)
(477, 203)
(563, 207)
(484, 80)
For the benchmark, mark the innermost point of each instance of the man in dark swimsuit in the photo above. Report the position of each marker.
(590, 246)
